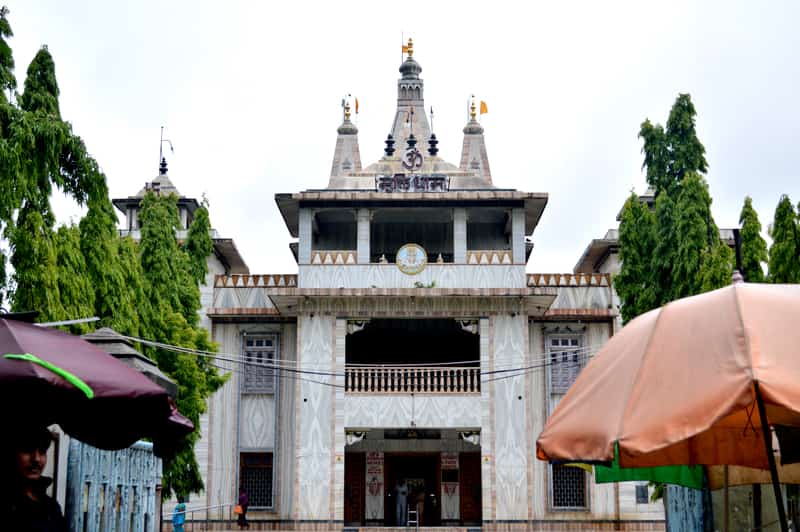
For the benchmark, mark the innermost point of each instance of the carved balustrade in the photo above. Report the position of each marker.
(412, 379)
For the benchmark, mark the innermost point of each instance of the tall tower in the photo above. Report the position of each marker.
(410, 116)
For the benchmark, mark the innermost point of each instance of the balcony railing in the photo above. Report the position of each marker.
(412, 379)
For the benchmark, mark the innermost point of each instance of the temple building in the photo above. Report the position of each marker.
(403, 374)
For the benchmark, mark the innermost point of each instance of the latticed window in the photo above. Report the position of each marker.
(255, 478)
(568, 488)
(566, 360)
(258, 373)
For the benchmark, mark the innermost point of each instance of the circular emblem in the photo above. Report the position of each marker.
(411, 259)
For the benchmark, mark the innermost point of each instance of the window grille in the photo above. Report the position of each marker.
(255, 478)
(260, 354)
(642, 497)
(566, 360)
(568, 488)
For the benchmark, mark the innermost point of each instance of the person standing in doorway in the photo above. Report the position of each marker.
(244, 502)
(401, 502)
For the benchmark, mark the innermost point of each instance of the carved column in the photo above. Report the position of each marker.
(364, 217)
(518, 235)
(305, 235)
(460, 235)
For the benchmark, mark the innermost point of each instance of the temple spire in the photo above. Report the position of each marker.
(410, 116)
(346, 155)
(473, 151)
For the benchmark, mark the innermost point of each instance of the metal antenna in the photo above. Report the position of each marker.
(161, 146)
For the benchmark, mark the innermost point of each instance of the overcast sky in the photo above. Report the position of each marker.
(250, 95)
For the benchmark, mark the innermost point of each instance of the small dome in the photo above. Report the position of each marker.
(410, 69)
(347, 128)
(473, 127)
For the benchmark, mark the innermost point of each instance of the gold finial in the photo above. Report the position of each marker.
(347, 110)
(472, 109)
(410, 47)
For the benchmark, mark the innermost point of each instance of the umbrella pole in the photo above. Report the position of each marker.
(762, 413)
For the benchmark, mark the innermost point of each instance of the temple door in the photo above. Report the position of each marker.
(470, 488)
(354, 471)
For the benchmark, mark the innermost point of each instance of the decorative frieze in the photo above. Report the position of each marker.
(569, 279)
(251, 281)
(333, 257)
(497, 256)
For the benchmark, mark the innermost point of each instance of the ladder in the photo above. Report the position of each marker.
(412, 518)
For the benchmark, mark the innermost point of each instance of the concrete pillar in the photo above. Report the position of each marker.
(305, 235)
(338, 407)
(518, 235)
(363, 217)
(487, 424)
(460, 235)
(314, 416)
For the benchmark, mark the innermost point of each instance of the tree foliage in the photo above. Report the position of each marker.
(147, 289)
(671, 153)
(784, 253)
(636, 245)
(174, 297)
(675, 251)
(753, 245)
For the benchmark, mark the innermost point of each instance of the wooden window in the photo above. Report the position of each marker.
(255, 478)
(258, 374)
(566, 358)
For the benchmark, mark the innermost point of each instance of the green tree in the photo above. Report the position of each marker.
(199, 244)
(636, 244)
(74, 285)
(8, 82)
(703, 260)
(669, 154)
(753, 245)
(784, 253)
(174, 297)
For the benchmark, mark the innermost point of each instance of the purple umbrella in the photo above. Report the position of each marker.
(48, 376)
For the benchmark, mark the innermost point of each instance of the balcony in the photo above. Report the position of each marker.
(412, 379)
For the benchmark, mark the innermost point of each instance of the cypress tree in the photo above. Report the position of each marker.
(174, 298)
(636, 243)
(754, 247)
(198, 244)
(784, 253)
(74, 284)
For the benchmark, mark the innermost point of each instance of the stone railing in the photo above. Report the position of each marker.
(489, 256)
(412, 379)
(338, 257)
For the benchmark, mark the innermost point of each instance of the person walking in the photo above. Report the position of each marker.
(179, 515)
(244, 502)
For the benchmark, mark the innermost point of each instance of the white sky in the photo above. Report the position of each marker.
(250, 93)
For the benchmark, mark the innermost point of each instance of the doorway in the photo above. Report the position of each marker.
(420, 473)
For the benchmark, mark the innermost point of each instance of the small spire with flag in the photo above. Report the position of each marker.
(409, 48)
(484, 108)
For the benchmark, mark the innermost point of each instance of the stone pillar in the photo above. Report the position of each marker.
(518, 235)
(460, 235)
(305, 234)
(364, 218)
(508, 339)
(487, 425)
(314, 414)
(338, 408)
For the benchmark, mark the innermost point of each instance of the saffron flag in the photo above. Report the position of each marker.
(405, 48)
(484, 109)
(356, 105)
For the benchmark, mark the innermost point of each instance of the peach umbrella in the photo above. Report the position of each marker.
(697, 381)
